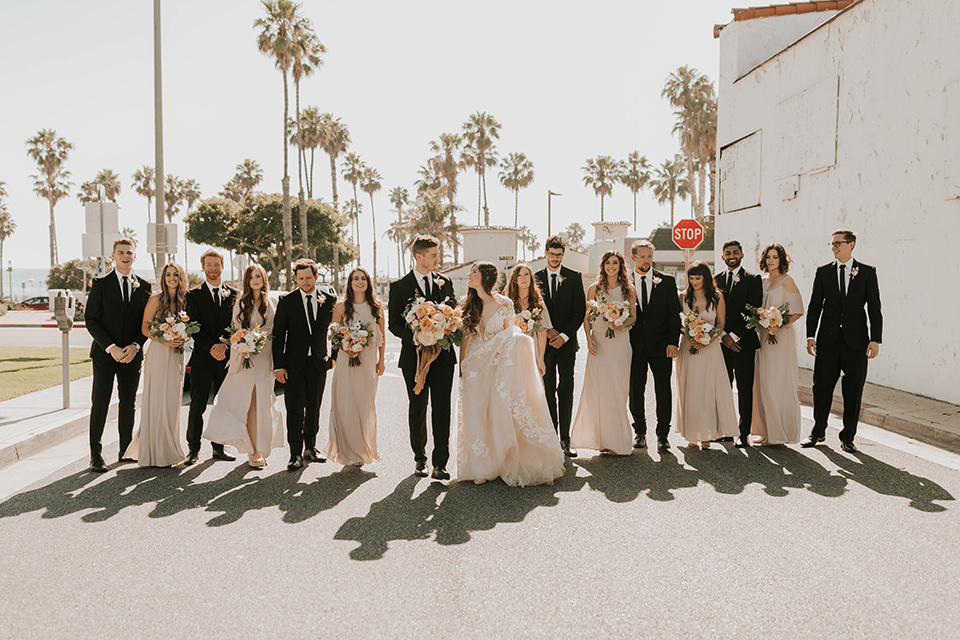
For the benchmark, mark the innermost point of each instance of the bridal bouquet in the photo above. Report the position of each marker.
(435, 326)
(246, 342)
(697, 330)
(615, 314)
(771, 318)
(351, 337)
(171, 328)
(529, 321)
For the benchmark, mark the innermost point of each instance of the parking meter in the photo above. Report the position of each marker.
(63, 310)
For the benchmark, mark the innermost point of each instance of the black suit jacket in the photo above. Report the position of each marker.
(832, 315)
(291, 337)
(569, 306)
(402, 293)
(214, 322)
(747, 290)
(109, 320)
(658, 325)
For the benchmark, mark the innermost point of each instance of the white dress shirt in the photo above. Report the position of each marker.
(130, 280)
(731, 274)
(846, 274)
(550, 274)
(641, 284)
(220, 288)
(419, 278)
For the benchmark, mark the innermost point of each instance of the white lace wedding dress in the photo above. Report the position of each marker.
(505, 430)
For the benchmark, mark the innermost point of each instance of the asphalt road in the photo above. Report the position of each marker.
(41, 337)
(773, 542)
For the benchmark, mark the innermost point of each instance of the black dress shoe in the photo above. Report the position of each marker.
(220, 454)
(313, 455)
(295, 463)
(810, 441)
(640, 442)
(724, 439)
(191, 458)
(662, 444)
(421, 470)
(125, 460)
(97, 464)
(848, 447)
(567, 451)
(439, 473)
(741, 442)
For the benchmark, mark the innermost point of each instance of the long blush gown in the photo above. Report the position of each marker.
(353, 393)
(228, 417)
(505, 430)
(705, 409)
(602, 422)
(776, 407)
(157, 441)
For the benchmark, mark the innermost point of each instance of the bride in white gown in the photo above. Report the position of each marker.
(505, 430)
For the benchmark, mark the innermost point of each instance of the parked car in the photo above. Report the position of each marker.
(38, 303)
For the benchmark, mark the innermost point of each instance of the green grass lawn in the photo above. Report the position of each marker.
(27, 369)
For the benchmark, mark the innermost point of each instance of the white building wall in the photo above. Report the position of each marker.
(857, 125)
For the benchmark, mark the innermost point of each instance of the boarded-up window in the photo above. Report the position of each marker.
(740, 174)
(808, 140)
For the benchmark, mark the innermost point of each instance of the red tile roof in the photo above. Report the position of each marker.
(750, 13)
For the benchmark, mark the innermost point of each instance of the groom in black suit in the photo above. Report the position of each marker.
(114, 318)
(740, 344)
(566, 304)
(845, 294)
(210, 304)
(423, 282)
(300, 360)
(654, 339)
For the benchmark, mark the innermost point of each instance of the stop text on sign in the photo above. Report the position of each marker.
(687, 234)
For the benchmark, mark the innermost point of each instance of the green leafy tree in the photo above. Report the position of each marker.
(601, 173)
(516, 172)
(479, 132)
(70, 274)
(635, 175)
(52, 182)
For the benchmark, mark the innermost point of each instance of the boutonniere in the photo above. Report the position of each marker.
(560, 279)
(736, 278)
(854, 272)
(656, 281)
(135, 284)
(437, 280)
(321, 298)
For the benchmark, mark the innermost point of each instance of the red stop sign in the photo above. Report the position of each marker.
(687, 234)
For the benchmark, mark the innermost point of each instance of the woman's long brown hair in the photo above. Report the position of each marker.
(701, 268)
(371, 297)
(472, 305)
(246, 298)
(622, 279)
(171, 306)
(534, 298)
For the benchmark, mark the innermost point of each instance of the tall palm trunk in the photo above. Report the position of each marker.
(304, 238)
(694, 202)
(479, 196)
(336, 209)
(701, 188)
(713, 184)
(53, 236)
(153, 256)
(601, 208)
(456, 234)
(356, 222)
(672, 201)
(287, 213)
(310, 177)
(373, 221)
(486, 211)
(634, 210)
(516, 208)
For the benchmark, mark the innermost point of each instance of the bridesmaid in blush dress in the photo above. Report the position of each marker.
(602, 422)
(705, 409)
(522, 289)
(776, 406)
(353, 407)
(246, 413)
(157, 441)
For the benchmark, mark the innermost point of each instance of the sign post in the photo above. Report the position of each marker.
(687, 235)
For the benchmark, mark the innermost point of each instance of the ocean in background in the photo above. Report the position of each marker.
(28, 283)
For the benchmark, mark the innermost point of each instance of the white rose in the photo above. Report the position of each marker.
(427, 338)
(705, 339)
(167, 337)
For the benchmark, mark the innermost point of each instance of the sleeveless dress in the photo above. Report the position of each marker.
(705, 408)
(505, 430)
(353, 406)
(157, 441)
(228, 417)
(776, 407)
(602, 422)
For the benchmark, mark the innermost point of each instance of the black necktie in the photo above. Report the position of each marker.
(426, 287)
(311, 316)
(216, 296)
(643, 293)
(126, 290)
(730, 278)
(553, 285)
(843, 282)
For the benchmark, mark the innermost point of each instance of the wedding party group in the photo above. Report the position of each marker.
(511, 346)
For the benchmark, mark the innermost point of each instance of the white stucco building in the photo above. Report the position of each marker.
(847, 114)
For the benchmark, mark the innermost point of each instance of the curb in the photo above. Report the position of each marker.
(910, 426)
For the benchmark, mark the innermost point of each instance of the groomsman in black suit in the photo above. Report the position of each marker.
(114, 318)
(210, 304)
(300, 360)
(422, 281)
(654, 338)
(845, 294)
(566, 304)
(740, 344)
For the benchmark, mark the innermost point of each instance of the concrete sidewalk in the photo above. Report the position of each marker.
(27, 318)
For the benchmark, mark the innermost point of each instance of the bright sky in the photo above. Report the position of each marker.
(566, 80)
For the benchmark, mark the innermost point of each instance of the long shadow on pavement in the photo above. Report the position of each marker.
(624, 479)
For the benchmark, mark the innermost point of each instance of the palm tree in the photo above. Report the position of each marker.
(143, 183)
(107, 179)
(399, 197)
(636, 175)
(448, 163)
(430, 216)
(670, 182)
(370, 185)
(353, 172)
(516, 172)
(130, 234)
(692, 96)
(575, 234)
(277, 40)
(311, 135)
(398, 233)
(334, 139)
(430, 178)
(172, 196)
(601, 173)
(191, 193)
(479, 132)
(248, 176)
(523, 236)
(7, 227)
(306, 60)
(52, 182)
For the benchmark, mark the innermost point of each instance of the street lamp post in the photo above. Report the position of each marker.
(550, 194)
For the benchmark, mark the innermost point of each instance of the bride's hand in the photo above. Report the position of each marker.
(542, 367)
(591, 346)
